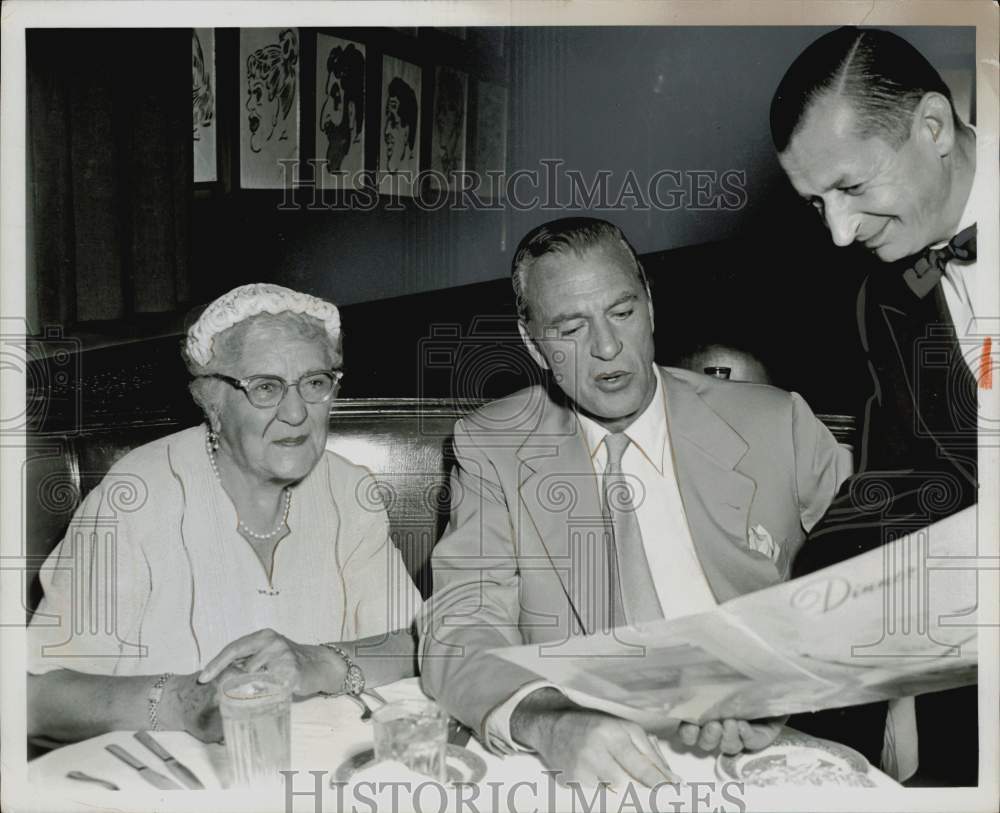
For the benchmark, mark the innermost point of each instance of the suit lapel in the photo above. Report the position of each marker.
(935, 378)
(717, 496)
(560, 494)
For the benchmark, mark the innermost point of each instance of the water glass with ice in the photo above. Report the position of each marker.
(415, 733)
(256, 721)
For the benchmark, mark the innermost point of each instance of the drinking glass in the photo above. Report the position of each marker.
(414, 732)
(256, 720)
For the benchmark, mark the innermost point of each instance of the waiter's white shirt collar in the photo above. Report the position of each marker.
(976, 194)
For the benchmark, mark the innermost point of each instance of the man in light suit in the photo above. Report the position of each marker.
(723, 479)
(867, 132)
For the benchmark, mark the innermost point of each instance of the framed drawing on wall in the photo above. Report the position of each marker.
(490, 155)
(340, 112)
(399, 145)
(269, 107)
(203, 88)
(449, 124)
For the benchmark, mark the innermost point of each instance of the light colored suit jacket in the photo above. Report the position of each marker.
(523, 558)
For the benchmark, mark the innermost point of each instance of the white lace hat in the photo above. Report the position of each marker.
(249, 300)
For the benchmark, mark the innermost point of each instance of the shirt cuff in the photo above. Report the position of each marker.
(497, 724)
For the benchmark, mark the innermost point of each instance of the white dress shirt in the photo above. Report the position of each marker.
(680, 582)
(967, 285)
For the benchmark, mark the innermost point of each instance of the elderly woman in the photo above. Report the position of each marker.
(238, 544)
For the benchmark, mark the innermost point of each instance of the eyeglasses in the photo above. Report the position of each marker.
(265, 391)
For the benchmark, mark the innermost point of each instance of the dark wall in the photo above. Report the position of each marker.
(693, 99)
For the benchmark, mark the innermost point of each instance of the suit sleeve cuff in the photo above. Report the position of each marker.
(496, 727)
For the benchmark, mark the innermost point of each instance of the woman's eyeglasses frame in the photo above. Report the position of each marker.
(245, 384)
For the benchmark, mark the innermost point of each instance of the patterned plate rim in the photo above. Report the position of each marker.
(728, 764)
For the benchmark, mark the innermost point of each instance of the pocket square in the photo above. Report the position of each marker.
(758, 539)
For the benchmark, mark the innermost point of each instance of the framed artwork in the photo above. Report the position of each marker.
(340, 112)
(203, 99)
(269, 107)
(491, 135)
(449, 124)
(399, 150)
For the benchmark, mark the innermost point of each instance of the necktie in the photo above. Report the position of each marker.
(926, 272)
(632, 589)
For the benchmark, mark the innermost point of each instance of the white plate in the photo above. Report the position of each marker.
(798, 759)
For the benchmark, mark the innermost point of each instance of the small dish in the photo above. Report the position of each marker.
(463, 765)
(798, 760)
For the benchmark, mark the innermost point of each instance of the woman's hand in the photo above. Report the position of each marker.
(733, 736)
(307, 669)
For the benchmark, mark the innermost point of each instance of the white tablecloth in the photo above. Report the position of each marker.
(327, 731)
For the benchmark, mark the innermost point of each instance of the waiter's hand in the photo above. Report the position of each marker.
(732, 736)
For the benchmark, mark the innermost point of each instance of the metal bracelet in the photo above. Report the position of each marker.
(155, 696)
(354, 680)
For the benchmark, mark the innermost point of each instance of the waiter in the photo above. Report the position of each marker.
(867, 132)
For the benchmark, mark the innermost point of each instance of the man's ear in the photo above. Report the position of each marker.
(529, 342)
(649, 304)
(934, 120)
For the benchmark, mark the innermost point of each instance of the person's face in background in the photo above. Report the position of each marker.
(395, 135)
(890, 200)
(262, 113)
(591, 324)
(335, 123)
(448, 123)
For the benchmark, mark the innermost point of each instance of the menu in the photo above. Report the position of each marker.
(896, 621)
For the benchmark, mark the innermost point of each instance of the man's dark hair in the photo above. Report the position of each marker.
(879, 73)
(348, 65)
(570, 234)
(407, 107)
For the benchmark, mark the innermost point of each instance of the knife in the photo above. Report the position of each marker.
(80, 776)
(178, 769)
(156, 779)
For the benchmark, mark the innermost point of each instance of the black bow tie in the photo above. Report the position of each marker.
(926, 271)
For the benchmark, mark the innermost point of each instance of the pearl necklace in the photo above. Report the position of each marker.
(241, 526)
